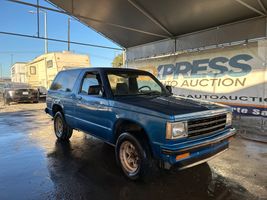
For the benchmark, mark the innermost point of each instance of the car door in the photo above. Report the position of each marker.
(92, 110)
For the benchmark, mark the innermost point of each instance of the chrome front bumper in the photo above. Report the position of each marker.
(199, 152)
(207, 142)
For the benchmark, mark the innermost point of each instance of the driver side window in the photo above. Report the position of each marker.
(91, 84)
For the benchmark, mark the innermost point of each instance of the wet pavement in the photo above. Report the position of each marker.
(34, 165)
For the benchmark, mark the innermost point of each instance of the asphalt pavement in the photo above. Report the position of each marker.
(34, 165)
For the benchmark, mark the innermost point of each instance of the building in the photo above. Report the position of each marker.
(18, 73)
(42, 70)
(5, 79)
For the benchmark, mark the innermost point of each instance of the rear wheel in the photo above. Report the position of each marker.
(36, 100)
(6, 101)
(133, 156)
(62, 130)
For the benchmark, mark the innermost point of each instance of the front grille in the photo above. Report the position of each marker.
(207, 125)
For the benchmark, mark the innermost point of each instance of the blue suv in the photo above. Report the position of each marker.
(131, 110)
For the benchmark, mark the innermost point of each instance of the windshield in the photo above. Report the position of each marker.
(135, 83)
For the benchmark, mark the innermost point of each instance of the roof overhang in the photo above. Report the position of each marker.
(130, 23)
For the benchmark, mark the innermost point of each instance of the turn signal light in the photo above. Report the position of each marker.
(182, 156)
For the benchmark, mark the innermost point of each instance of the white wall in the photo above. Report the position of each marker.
(18, 73)
(236, 75)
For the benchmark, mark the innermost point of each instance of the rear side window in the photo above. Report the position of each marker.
(65, 81)
(91, 84)
(32, 70)
(49, 63)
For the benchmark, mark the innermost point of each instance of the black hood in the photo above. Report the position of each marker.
(171, 105)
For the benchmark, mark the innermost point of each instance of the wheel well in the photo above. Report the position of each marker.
(56, 108)
(132, 127)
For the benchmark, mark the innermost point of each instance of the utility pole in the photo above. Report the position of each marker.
(1, 71)
(68, 33)
(45, 27)
(45, 30)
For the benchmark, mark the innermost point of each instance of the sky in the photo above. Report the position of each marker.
(17, 18)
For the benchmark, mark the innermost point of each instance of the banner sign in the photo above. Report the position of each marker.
(235, 76)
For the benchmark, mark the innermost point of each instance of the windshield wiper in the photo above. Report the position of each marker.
(152, 93)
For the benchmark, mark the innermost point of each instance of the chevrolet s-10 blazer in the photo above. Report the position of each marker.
(133, 111)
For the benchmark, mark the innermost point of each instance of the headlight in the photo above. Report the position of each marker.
(229, 119)
(176, 130)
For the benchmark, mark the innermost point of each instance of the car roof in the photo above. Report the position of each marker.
(106, 69)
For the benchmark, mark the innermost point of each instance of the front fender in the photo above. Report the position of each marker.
(154, 128)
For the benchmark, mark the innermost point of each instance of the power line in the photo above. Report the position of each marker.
(20, 52)
(58, 40)
(40, 52)
(53, 39)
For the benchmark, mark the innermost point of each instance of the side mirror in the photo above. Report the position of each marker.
(94, 90)
(169, 88)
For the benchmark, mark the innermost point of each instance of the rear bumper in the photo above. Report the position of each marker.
(196, 152)
(23, 99)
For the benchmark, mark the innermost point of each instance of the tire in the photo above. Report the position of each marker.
(6, 101)
(36, 100)
(62, 130)
(133, 168)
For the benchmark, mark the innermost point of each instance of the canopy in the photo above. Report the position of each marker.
(135, 22)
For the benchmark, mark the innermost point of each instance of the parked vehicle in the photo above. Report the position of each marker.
(2, 84)
(131, 110)
(18, 92)
(42, 70)
(42, 91)
(18, 72)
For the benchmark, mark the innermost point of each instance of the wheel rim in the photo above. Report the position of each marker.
(129, 157)
(59, 126)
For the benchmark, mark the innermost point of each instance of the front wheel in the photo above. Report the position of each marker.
(133, 156)
(62, 130)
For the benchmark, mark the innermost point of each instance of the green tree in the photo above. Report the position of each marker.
(117, 61)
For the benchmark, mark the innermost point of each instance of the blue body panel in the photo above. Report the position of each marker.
(98, 116)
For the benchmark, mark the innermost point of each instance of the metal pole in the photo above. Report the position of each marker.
(45, 30)
(149, 16)
(1, 71)
(68, 34)
(45, 27)
(38, 19)
(250, 7)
